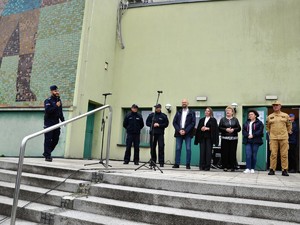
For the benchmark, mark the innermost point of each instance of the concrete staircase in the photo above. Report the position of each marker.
(92, 197)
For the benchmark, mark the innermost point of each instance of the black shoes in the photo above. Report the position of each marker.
(125, 162)
(175, 166)
(188, 167)
(285, 173)
(225, 169)
(136, 163)
(47, 158)
(161, 165)
(207, 169)
(272, 172)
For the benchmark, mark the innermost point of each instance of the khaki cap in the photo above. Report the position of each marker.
(276, 103)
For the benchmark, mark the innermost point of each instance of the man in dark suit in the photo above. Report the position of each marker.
(184, 123)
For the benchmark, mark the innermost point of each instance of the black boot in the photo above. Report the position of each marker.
(285, 173)
(271, 172)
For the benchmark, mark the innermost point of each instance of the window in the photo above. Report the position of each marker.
(145, 132)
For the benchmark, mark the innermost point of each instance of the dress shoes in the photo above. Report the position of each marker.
(188, 167)
(285, 173)
(271, 172)
(125, 162)
(136, 163)
(48, 159)
(161, 165)
(175, 166)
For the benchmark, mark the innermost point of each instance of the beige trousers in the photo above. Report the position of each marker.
(283, 145)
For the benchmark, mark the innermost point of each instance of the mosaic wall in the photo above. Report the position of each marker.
(39, 46)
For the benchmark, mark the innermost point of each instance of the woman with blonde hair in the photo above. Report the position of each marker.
(207, 134)
(229, 127)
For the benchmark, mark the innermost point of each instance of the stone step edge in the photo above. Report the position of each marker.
(50, 214)
(38, 194)
(206, 188)
(52, 170)
(161, 213)
(38, 180)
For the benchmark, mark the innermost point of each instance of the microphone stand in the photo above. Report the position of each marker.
(152, 164)
(102, 141)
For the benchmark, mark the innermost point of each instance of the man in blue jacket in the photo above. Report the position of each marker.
(184, 123)
(53, 113)
(133, 123)
(157, 122)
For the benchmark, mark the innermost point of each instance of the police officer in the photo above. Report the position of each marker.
(278, 128)
(133, 123)
(157, 122)
(53, 113)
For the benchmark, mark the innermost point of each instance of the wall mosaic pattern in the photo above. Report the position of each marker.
(39, 46)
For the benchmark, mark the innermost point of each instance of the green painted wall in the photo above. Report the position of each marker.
(15, 125)
(230, 51)
(97, 46)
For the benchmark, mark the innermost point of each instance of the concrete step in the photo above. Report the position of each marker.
(4, 220)
(36, 213)
(30, 193)
(32, 212)
(198, 202)
(163, 215)
(256, 192)
(49, 169)
(70, 185)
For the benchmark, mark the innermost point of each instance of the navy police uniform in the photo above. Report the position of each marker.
(133, 123)
(53, 114)
(157, 135)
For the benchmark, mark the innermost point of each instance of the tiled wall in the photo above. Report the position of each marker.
(39, 46)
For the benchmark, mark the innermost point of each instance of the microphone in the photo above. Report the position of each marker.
(105, 94)
(159, 92)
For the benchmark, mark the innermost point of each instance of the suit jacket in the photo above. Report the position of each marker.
(212, 133)
(188, 126)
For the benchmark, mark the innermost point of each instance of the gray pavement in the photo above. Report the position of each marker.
(260, 178)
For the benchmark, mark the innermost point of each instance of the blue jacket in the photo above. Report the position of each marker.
(188, 126)
(159, 118)
(53, 113)
(293, 138)
(257, 132)
(133, 123)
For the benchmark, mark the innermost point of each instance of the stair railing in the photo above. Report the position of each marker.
(27, 138)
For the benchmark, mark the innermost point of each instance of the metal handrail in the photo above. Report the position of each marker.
(25, 139)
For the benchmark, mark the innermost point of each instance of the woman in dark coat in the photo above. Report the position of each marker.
(207, 135)
(229, 127)
(253, 131)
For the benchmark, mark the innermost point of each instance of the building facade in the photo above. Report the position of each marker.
(221, 51)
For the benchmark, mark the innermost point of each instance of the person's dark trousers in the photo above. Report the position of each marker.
(50, 142)
(228, 153)
(205, 153)
(158, 138)
(292, 156)
(135, 140)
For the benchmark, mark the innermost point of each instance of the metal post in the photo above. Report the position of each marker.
(108, 138)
